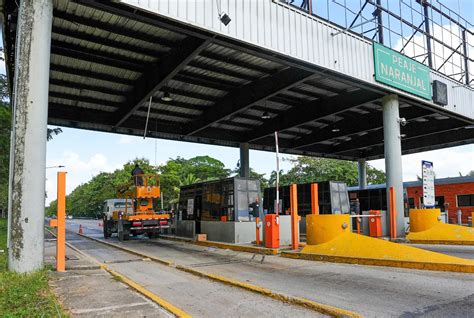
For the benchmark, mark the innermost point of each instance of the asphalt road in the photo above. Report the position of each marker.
(370, 290)
(199, 297)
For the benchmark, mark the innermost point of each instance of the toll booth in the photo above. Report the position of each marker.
(332, 195)
(224, 210)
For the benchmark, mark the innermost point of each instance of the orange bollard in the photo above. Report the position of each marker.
(257, 231)
(61, 217)
(80, 229)
(295, 240)
(358, 224)
(314, 199)
(393, 214)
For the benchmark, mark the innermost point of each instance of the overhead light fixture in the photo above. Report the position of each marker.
(265, 115)
(403, 135)
(469, 127)
(334, 127)
(225, 19)
(166, 97)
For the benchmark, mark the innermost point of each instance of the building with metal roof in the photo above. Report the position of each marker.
(179, 70)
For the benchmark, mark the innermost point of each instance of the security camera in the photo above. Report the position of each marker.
(402, 121)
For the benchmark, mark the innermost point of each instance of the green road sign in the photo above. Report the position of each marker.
(397, 70)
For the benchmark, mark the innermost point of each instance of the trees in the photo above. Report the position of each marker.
(5, 128)
(179, 172)
(87, 198)
(310, 169)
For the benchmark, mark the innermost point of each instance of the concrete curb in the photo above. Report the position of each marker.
(145, 292)
(155, 259)
(324, 309)
(441, 242)
(230, 246)
(321, 308)
(444, 267)
(137, 287)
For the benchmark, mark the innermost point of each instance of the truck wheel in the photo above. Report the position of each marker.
(126, 237)
(151, 235)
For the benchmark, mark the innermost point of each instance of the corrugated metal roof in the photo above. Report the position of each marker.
(107, 61)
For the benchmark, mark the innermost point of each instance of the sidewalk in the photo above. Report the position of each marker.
(85, 290)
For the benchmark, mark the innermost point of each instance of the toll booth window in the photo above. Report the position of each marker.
(465, 200)
(439, 203)
(242, 206)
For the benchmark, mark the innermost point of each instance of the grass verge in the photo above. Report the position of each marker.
(24, 295)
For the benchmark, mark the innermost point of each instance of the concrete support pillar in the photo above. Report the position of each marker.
(244, 160)
(393, 156)
(362, 172)
(30, 112)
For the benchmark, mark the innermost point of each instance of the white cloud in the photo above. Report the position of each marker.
(447, 162)
(78, 171)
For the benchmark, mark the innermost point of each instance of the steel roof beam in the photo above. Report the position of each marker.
(233, 61)
(248, 95)
(208, 82)
(85, 99)
(92, 74)
(89, 87)
(311, 111)
(221, 70)
(71, 113)
(215, 80)
(412, 132)
(113, 28)
(158, 76)
(166, 112)
(348, 126)
(174, 103)
(106, 42)
(96, 56)
(190, 94)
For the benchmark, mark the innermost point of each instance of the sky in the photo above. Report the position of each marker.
(86, 153)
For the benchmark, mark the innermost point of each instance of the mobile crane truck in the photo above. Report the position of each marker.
(134, 214)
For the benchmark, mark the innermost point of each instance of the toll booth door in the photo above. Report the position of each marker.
(197, 212)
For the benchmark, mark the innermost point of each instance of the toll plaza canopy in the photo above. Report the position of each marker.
(176, 71)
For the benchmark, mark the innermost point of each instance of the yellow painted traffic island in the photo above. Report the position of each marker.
(330, 239)
(426, 227)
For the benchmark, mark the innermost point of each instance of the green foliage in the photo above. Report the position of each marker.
(24, 295)
(87, 199)
(309, 169)
(53, 132)
(5, 127)
(179, 172)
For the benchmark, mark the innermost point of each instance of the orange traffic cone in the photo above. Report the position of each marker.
(80, 229)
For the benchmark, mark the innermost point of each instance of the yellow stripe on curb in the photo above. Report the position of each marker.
(445, 267)
(139, 288)
(230, 246)
(441, 242)
(145, 292)
(239, 248)
(325, 309)
(309, 304)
